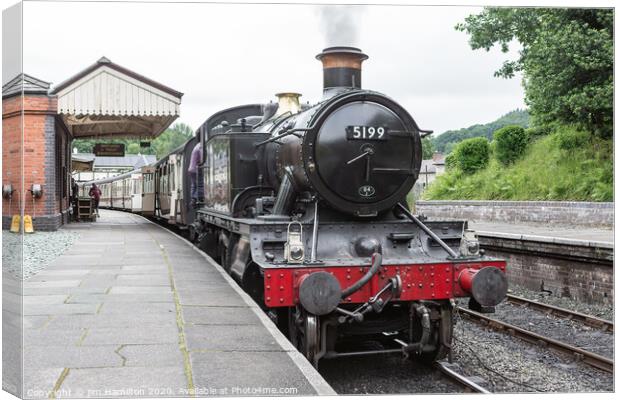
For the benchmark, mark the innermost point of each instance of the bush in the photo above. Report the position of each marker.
(536, 132)
(546, 172)
(472, 154)
(450, 161)
(570, 138)
(510, 143)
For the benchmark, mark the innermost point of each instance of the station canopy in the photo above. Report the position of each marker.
(107, 100)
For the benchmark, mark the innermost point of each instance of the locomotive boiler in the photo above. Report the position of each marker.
(305, 206)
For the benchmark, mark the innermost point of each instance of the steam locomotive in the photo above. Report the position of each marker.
(305, 206)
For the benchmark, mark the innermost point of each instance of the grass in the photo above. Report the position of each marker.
(568, 165)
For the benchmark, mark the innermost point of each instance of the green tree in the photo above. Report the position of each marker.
(171, 138)
(427, 149)
(566, 58)
(510, 143)
(446, 141)
(471, 155)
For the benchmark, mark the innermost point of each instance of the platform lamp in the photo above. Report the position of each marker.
(36, 189)
(7, 193)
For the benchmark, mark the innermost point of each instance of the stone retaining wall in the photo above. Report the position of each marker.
(578, 270)
(536, 212)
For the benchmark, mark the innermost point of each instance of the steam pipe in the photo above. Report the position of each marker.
(315, 231)
(377, 258)
(426, 331)
(285, 196)
(426, 230)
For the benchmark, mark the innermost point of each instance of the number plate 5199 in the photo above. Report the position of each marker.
(364, 132)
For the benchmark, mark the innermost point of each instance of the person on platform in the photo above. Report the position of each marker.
(75, 190)
(195, 175)
(95, 194)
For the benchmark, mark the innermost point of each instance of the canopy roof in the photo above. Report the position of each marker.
(26, 84)
(106, 99)
(82, 163)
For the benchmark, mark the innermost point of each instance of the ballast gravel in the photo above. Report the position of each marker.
(565, 330)
(383, 374)
(605, 311)
(39, 250)
(520, 366)
(478, 352)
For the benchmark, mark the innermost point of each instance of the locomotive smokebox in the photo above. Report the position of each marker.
(342, 67)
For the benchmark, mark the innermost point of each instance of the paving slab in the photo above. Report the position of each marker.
(53, 337)
(137, 308)
(60, 309)
(230, 338)
(217, 370)
(150, 381)
(140, 289)
(152, 354)
(33, 291)
(39, 381)
(104, 320)
(550, 231)
(132, 335)
(220, 297)
(73, 356)
(132, 310)
(33, 284)
(220, 316)
(122, 298)
(45, 299)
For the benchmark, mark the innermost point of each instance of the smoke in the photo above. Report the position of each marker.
(341, 25)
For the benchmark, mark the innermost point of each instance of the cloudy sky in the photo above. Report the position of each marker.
(222, 55)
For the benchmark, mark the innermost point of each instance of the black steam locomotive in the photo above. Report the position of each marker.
(305, 206)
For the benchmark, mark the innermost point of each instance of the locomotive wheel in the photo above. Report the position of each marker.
(305, 334)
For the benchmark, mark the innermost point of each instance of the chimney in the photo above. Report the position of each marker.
(342, 67)
(288, 101)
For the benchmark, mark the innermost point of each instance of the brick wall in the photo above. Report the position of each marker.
(12, 152)
(41, 162)
(578, 270)
(535, 212)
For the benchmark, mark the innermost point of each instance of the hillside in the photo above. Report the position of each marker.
(444, 142)
(568, 165)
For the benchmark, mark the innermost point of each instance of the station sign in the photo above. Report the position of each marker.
(109, 150)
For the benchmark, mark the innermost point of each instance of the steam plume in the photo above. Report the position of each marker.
(341, 25)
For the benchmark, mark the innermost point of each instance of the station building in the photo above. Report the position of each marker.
(39, 123)
(90, 167)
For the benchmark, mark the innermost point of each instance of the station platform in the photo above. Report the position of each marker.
(599, 236)
(132, 310)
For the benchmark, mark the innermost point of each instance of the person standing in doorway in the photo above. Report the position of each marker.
(194, 175)
(95, 194)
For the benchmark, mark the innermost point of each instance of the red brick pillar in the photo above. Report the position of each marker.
(31, 118)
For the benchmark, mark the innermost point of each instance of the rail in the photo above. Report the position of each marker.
(589, 320)
(585, 356)
(464, 381)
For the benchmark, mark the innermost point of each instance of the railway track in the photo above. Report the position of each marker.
(589, 320)
(461, 380)
(595, 360)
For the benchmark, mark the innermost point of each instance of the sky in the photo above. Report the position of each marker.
(222, 55)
